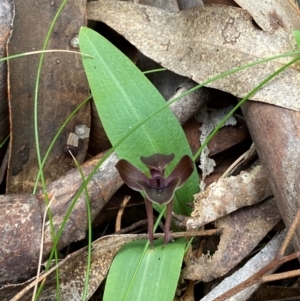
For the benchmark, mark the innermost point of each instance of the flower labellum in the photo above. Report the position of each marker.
(158, 189)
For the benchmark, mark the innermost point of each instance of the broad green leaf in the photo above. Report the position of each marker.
(157, 275)
(125, 98)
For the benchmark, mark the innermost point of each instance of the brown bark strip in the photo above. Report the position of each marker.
(276, 135)
(6, 16)
(63, 86)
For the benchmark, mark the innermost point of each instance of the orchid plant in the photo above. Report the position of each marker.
(158, 188)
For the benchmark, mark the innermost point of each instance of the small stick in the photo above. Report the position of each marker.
(290, 234)
(132, 227)
(120, 212)
(234, 164)
(284, 275)
(185, 234)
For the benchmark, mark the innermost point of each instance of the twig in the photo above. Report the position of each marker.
(280, 276)
(132, 227)
(190, 233)
(120, 212)
(239, 160)
(234, 164)
(182, 234)
(290, 233)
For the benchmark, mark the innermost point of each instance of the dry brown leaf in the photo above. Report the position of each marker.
(271, 14)
(242, 231)
(169, 5)
(227, 195)
(205, 41)
(72, 272)
(255, 264)
(62, 87)
(7, 12)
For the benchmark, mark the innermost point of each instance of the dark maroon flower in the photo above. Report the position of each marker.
(158, 188)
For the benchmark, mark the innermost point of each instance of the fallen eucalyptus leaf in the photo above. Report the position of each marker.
(72, 271)
(255, 264)
(169, 5)
(242, 231)
(62, 87)
(205, 41)
(273, 14)
(227, 195)
(7, 12)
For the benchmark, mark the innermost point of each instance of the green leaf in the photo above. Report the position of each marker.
(296, 34)
(125, 99)
(157, 275)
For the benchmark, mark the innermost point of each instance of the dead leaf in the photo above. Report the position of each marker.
(227, 195)
(6, 17)
(276, 135)
(271, 14)
(72, 270)
(275, 132)
(63, 86)
(169, 5)
(205, 41)
(242, 231)
(255, 264)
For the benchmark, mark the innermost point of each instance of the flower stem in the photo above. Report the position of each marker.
(149, 211)
(168, 222)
